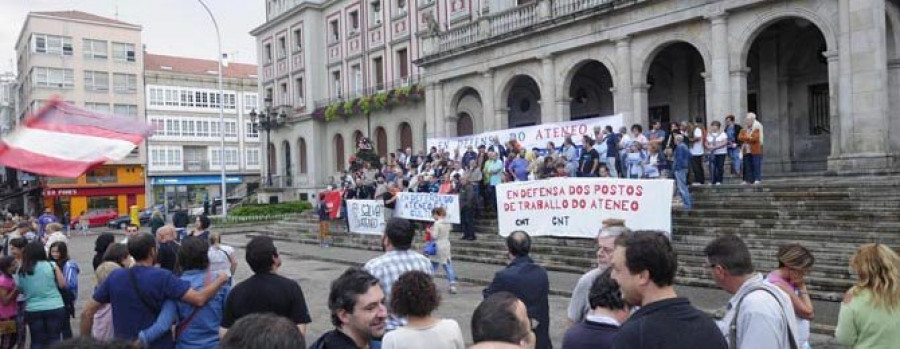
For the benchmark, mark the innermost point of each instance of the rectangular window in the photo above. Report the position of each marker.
(171, 97)
(354, 21)
(123, 52)
(102, 108)
(298, 40)
(214, 154)
(251, 101)
(268, 52)
(230, 129)
(356, 76)
(335, 30)
(127, 83)
(156, 97)
(159, 126)
(282, 47)
(53, 44)
(173, 128)
(336, 83)
(130, 110)
(95, 49)
(298, 88)
(401, 6)
(53, 77)
(819, 113)
(157, 157)
(375, 10)
(200, 100)
(378, 71)
(96, 81)
(283, 93)
(230, 101)
(252, 157)
(187, 128)
(231, 157)
(252, 131)
(402, 63)
(202, 128)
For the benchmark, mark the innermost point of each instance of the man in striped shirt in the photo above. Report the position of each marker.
(397, 260)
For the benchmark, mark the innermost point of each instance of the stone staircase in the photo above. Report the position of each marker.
(831, 216)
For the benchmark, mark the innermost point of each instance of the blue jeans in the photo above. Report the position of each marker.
(716, 168)
(682, 185)
(448, 268)
(735, 155)
(757, 167)
(45, 327)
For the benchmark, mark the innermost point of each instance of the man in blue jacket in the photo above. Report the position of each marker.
(680, 167)
(529, 282)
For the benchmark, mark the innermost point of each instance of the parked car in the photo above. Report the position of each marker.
(148, 212)
(119, 223)
(97, 218)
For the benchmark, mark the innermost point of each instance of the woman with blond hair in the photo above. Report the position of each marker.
(794, 263)
(869, 316)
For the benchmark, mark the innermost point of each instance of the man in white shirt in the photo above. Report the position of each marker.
(760, 315)
(697, 151)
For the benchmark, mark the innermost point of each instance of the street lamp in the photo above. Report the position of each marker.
(267, 119)
(221, 112)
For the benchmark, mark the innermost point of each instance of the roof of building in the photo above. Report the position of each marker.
(82, 16)
(194, 66)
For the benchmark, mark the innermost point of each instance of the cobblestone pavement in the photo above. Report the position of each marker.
(314, 268)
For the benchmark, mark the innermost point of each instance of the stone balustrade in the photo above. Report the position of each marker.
(567, 7)
(513, 19)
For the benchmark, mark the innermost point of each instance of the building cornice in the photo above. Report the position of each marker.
(287, 14)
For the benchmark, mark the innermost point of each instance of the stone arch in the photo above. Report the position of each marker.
(405, 135)
(357, 135)
(467, 102)
(521, 95)
(588, 87)
(339, 156)
(381, 141)
(751, 31)
(675, 76)
(649, 54)
(569, 64)
(302, 154)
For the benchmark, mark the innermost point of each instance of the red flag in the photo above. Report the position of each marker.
(63, 140)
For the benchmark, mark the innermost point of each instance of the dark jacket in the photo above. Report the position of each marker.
(590, 335)
(672, 324)
(468, 199)
(528, 281)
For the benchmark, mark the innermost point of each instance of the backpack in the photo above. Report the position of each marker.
(732, 327)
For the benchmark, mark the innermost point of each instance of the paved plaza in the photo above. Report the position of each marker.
(314, 268)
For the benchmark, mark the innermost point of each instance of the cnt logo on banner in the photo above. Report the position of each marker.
(366, 216)
(418, 206)
(574, 207)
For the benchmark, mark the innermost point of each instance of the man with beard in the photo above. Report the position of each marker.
(358, 311)
(397, 260)
(644, 265)
(265, 291)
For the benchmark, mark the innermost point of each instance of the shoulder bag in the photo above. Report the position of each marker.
(187, 322)
(732, 327)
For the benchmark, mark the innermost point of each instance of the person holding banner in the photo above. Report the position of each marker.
(440, 234)
(492, 170)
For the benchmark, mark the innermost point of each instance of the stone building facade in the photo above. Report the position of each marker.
(823, 75)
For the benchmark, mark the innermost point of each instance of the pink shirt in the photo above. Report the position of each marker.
(7, 311)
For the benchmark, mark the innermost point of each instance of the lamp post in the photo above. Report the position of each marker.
(267, 119)
(221, 112)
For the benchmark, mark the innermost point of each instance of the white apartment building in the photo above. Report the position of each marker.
(185, 158)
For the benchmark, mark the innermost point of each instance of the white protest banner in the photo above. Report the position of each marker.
(418, 206)
(531, 136)
(366, 216)
(574, 207)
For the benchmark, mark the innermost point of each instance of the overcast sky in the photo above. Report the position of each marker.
(172, 27)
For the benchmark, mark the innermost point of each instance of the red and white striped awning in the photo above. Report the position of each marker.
(63, 140)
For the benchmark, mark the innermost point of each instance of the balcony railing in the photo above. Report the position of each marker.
(371, 90)
(514, 20)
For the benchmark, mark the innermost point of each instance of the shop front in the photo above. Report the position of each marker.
(189, 192)
(75, 201)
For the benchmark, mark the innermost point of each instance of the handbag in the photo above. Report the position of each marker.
(430, 248)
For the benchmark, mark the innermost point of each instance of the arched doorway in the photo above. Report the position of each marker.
(357, 135)
(468, 108)
(272, 163)
(787, 87)
(590, 91)
(301, 146)
(287, 171)
(676, 87)
(523, 102)
(464, 126)
(381, 145)
(339, 153)
(406, 137)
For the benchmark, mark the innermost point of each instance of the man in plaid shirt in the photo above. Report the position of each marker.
(397, 260)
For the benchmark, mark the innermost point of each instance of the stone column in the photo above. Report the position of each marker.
(720, 93)
(739, 93)
(548, 91)
(709, 99)
(641, 108)
(489, 110)
(863, 85)
(623, 91)
(440, 113)
(431, 112)
(833, 108)
(894, 97)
